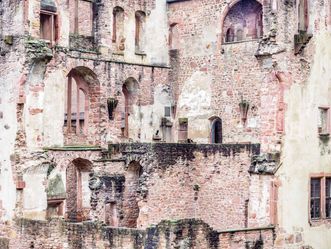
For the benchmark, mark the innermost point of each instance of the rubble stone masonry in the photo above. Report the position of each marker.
(164, 124)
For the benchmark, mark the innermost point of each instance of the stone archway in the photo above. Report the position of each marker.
(216, 135)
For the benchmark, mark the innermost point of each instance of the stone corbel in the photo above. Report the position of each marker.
(243, 108)
(111, 104)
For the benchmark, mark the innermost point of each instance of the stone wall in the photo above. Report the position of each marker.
(179, 181)
(167, 234)
(109, 77)
(224, 75)
(137, 184)
(283, 78)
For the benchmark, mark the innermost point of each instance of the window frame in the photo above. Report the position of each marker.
(53, 32)
(329, 197)
(322, 218)
(320, 211)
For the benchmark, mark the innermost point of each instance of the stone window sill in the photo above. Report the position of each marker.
(319, 222)
(118, 53)
(243, 41)
(141, 53)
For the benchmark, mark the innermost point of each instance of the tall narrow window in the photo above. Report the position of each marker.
(229, 35)
(140, 31)
(183, 130)
(77, 190)
(259, 24)
(118, 29)
(174, 36)
(328, 197)
(125, 116)
(47, 28)
(48, 20)
(167, 111)
(303, 15)
(274, 5)
(118, 24)
(130, 195)
(76, 107)
(111, 214)
(82, 17)
(130, 93)
(240, 35)
(315, 198)
(216, 131)
(323, 121)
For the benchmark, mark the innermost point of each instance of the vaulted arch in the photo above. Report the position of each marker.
(245, 20)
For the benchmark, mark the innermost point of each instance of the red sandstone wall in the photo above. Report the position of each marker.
(213, 189)
(235, 71)
(188, 233)
(177, 182)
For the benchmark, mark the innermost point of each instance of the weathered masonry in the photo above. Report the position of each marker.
(157, 124)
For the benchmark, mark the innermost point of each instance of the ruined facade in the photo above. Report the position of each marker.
(165, 124)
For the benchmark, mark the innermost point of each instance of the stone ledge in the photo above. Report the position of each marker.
(73, 148)
(181, 148)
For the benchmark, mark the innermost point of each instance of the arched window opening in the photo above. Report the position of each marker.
(118, 27)
(243, 21)
(229, 35)
(130, 92)
(76, 106)
(82, 95)
(77, 191)
(130, 204)
(140, 31)
(303, 15)
(48, 21)
(216, 131)
(174, 36)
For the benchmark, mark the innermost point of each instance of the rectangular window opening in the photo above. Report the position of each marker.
(315, 198)
(328, 197)
(323, 121)
(167, 111)
(47, 26)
